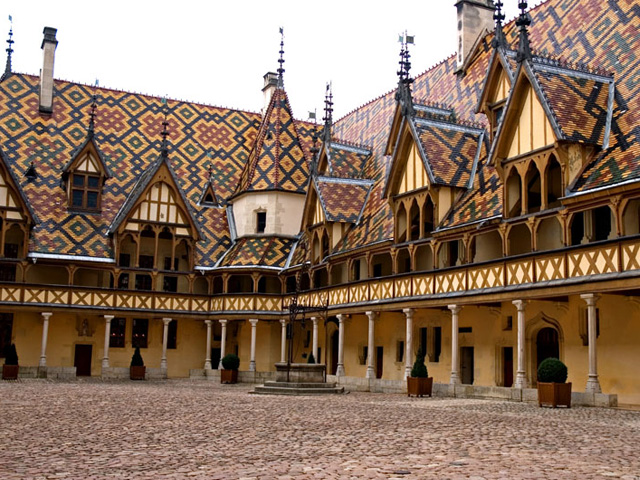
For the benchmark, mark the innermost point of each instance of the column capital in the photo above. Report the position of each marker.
(253, 321)
(166, 321)
(341, 317)
(520, 304)
(408, 312)
(208, 322)
(314, 320)
(371, 315)
(283, 321)
(108, 318)
(455, 309)
(590, 298)
(223, 322)
(46, 315)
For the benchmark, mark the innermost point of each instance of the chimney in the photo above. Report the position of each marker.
(474, 16)
(270, 85)
(49, 44)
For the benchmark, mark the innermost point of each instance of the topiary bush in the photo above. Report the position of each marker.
(552, 370)
(230, 362)
(136, 360)
(11, 356)
(311, 358)
(419, 369)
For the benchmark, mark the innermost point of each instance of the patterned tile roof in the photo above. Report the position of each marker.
(277, 160)
(450, 150)
(342, 199)
(258, 252)
(346, 161)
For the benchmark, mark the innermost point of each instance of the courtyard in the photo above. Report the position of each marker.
(202, 430)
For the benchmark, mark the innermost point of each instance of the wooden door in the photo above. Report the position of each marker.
(507, 366)
(379, 360)
(82, 360)
(466, 365)
(547, 345)
(215, 358)
(334, 352)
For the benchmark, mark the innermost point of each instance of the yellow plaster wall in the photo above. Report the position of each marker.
(414, 175)
(532, 130)
(284, 212)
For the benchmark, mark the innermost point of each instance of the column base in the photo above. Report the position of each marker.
(163, 364)
(105, 363)
(370, 373)
(454, 379)
(43, 362)
(593, 385)
(521, 381)
(407, 372)
(207, 365)
(220, 365)
(252, 366)
(340, 371)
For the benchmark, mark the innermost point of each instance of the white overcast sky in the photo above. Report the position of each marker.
(216, 52)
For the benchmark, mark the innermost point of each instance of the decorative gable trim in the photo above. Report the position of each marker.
(15, 197)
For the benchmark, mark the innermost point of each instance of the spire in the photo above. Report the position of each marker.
(328, 113)
(7, 69)
(499, 40)
(165, 133)
(92, 113)
(281, 60)
(523, 21)
(403, 95)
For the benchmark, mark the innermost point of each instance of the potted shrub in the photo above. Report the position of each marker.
(311, 358)
(419, 383)
(10, 367)
(552, 387)
(230, 364)
(137, 369)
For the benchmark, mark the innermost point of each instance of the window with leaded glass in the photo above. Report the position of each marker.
(116, 336)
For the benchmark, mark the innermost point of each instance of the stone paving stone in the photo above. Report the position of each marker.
(183, 429)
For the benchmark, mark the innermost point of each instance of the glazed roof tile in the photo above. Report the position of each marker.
(270, 251)
(342, 199)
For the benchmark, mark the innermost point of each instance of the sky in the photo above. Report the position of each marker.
(216, 53)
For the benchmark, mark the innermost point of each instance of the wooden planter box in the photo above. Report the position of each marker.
(554, 394)
(137, 373)
(228, 376)
(10, 372)
(419, 386)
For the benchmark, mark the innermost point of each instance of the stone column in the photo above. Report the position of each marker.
(593, 384)
(207, 357)
(223, 342)
(521, 372)
(455, 350)
(370, 344)
(340, 370)
(283, 341)
(408, 342)
(252, 362)
(45, 334)
(107, 337)
(315, 339)
(165, 339)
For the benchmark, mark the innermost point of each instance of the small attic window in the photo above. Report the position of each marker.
(85, 191)
(208, 199)
(261, 221)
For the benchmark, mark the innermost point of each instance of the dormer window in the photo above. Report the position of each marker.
(261, 221)
(497, 111)
(85, 191)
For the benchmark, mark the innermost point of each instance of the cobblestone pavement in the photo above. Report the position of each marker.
(202, 430)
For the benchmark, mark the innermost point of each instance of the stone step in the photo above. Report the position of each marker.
(289, 389)
(299, 385)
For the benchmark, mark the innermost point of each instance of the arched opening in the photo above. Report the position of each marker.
(486, 246)
(450, 254)
(200, 286)
(414, 215)
(218, 285)
(576, 229)
(403, 261)
(305, 282)
(325, 245)
(127, 252)
(339, 273)
(320, 277)
(631, 217)
(401, 224)
(591, 225)
(359, 269)
(513, 191)
(183, 259)
(547, 345)
(14, 242)
(92, 277)
(424, 258)
(381, 265)
(335, 343)
(519, 239)
(544, 339)
(316, 248)
(534, 188)
(146, 258)
(427, 217)
(554, 183)
(240, 284)
(48, 275)
(269, 284)
(549, 234)
(165, 250)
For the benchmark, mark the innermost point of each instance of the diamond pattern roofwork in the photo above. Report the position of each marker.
(270, 251)
(277, 160)
(346, 161)
(342, 199)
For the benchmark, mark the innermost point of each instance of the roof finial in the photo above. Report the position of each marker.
(403, 95)
(7, 69)
(281, 60)
(499, 40)
(328, 113)
(92, 113)
(523, 21)
(165, 133)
